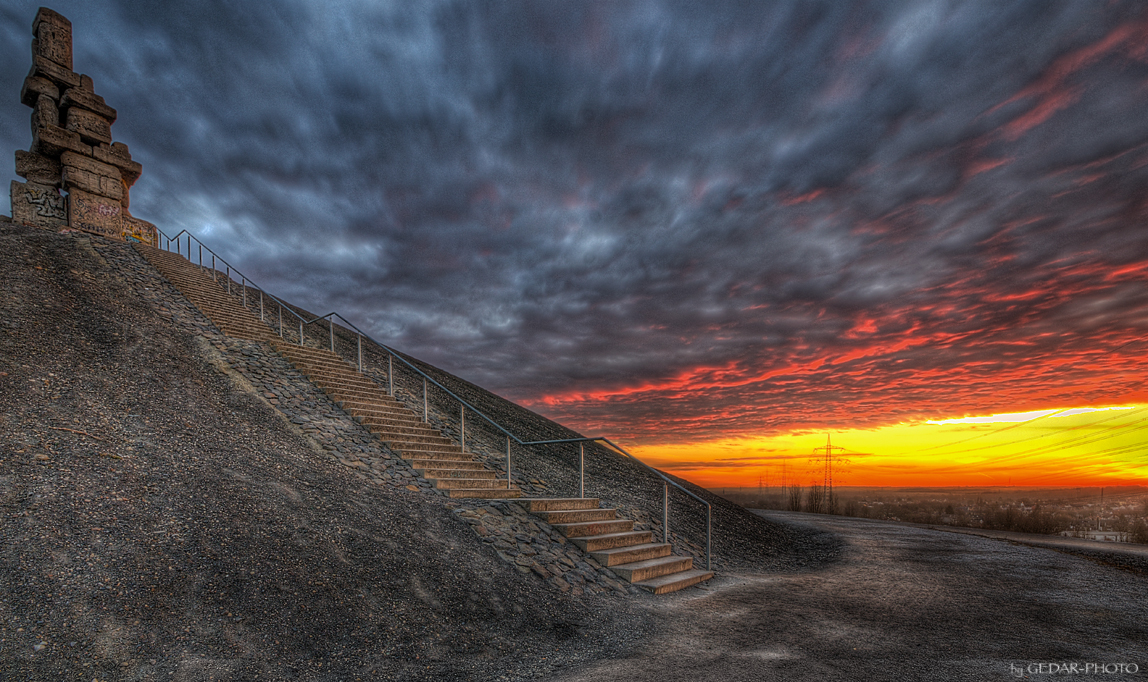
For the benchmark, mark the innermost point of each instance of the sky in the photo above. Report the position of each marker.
(711, 231)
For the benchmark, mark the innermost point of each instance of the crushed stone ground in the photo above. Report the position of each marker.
(162, 522)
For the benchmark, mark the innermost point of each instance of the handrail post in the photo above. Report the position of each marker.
(244, 284)
(280, 320)
(462, 425)
(261, 306)
(228, 278)
(360, 336)
(391, 374)
(665, 512)
(508, 462)
(214, 274)
(331, 328)
(582, 470)
(709, 535)
(201, 256)
(300, 331)
(426, 414)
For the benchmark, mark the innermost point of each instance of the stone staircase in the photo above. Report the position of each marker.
(611, 541)
(631, 554)
(433, 456)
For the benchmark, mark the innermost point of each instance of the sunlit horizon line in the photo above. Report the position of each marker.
(1090, 450)
(1086, 410)
(1008, 417)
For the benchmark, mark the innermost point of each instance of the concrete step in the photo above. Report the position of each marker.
(537, 504)
(244, 330)
(434, 457)
(595, 543)
(486, 494)
(626, 555)
(334, 364)
(312, 352)
(576, 515)
(346, 378)
(437, 473)
(318, 358)
(383, 404)
(391, 427)
(581, 530)
(448, 464)
(675, 581)
(377, 405)
(387, 420)
(352, 395)
(228, 321)
(638, 571)
(404, 436)
(426, 450)
(347, 381)
(475, 483)
(349, 390)
(412, 430)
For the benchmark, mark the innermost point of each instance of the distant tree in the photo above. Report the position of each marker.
(1139, 531)
(815, 499)
(793, 497)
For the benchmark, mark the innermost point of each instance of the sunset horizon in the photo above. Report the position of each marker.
(1092, 446)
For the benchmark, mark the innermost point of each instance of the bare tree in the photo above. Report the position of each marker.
(793, 496)
(815, 500)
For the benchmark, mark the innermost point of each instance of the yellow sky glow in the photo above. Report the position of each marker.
(1077, 446)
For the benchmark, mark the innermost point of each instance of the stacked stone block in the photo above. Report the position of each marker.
(72, 148)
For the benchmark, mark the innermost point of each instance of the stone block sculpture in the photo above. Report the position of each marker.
(72, 148)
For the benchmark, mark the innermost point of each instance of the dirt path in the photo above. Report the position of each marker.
(904, 603)
(1075, 545)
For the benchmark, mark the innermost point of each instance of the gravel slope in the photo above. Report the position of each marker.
(162, 521)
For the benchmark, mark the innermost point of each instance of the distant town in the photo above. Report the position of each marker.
(1111, 514)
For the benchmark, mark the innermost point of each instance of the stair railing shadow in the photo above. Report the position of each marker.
(246, 285)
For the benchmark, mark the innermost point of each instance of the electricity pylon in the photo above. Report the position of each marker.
(827, 485)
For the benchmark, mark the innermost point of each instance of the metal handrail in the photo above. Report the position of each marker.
(245, 280)
(392, 353)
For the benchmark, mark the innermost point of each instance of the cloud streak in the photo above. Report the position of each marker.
(662, 220)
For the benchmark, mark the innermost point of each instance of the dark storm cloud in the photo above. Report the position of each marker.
(657, 217)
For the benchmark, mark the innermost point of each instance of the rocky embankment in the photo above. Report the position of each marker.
(163, 520)
(178, 504)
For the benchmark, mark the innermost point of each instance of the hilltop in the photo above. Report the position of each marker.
(163, 518)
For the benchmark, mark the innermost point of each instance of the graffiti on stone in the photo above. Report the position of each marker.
(92, 213)
(48, 205)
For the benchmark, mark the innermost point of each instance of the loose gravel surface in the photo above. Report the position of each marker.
(161, 520)
(904, 603)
